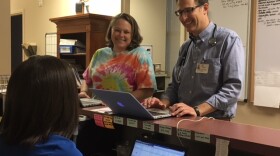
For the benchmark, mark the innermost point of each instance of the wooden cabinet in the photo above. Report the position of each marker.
(90, 29)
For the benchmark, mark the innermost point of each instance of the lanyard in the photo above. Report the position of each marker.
(178, 70)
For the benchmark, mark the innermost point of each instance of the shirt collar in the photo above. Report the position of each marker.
(206, 34)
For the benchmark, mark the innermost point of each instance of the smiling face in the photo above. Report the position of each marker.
(194, 21)
(121, 35)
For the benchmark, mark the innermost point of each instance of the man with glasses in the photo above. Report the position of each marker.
(207, 77)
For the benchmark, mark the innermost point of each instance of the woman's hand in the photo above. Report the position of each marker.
(153, 102)
(83, 94)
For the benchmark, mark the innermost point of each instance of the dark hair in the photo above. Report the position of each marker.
(135, 32)
(199, 2)
(41, 100)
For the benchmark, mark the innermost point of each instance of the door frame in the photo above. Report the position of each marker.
(21, 12)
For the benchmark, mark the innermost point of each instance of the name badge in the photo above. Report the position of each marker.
(202, 68)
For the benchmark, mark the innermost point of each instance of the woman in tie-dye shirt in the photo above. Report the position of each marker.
(123, 65)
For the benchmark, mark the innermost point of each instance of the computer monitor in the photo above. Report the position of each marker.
(144, 147)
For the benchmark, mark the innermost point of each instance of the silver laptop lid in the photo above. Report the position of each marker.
(125, 103)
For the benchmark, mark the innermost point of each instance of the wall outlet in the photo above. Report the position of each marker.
(40, 3)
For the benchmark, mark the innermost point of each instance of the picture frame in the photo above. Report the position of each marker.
(157, 67)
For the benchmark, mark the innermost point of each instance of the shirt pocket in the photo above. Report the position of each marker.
(210, 81)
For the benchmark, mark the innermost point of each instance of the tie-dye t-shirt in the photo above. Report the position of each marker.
(126, 72)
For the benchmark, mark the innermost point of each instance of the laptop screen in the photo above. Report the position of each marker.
(143, 148)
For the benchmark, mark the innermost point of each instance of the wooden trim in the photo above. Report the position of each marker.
(252, 52)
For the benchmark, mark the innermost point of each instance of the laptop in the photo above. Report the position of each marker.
(125, 103)
(144, 147)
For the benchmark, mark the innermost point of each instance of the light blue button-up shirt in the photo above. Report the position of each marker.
(219, 84)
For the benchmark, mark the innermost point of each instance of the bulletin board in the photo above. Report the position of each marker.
(235, 15)
(266, 25)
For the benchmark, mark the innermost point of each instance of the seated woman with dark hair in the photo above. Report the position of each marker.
(41, 109)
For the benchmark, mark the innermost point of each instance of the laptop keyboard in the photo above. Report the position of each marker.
(156, 113)
(86, 102)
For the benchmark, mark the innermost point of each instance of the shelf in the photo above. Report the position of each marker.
(89, 29)
(159, 91)
(160, 74)
(75, 54)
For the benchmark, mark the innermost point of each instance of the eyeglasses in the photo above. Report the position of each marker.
(186, 11)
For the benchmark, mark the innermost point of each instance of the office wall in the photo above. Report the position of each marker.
(247, 113)
(151, 17)
(5, 38)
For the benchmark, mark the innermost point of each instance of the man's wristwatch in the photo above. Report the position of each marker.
(196, 109)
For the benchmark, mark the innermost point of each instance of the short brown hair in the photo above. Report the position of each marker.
(199, 2)
(135, 32)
